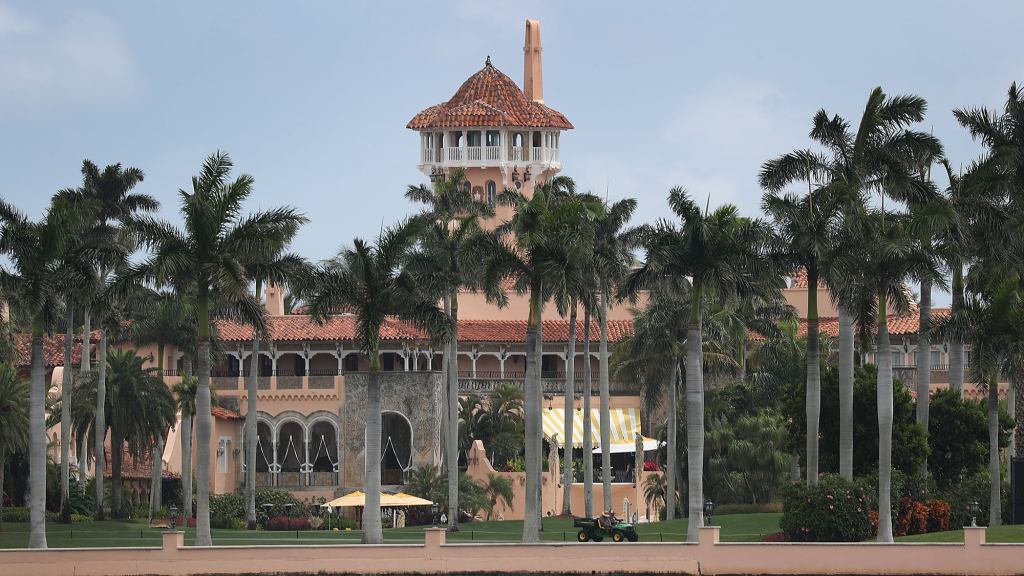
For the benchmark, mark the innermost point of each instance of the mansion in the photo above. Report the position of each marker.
(311, 376)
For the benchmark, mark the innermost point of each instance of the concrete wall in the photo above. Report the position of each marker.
(435, 556)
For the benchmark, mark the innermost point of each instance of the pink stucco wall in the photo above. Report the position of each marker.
(709, 556)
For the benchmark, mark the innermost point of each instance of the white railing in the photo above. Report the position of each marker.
(488, 155)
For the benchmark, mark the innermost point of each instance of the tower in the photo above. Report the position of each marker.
(501, 135)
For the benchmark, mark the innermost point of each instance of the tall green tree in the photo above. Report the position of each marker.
(208, 255)
(369, 280)
(807, 227)
(14, 391)
(718, 253)
(452, 219)
(536, 251)
(30, 281)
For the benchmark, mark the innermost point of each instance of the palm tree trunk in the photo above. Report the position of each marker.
(672, 464)
(100, 423)
(606, 417)
(1017, 392)
(1011, 410)
(3, 480)
(588, 441)
(923, 357)
(570, 408)
(695, 416)
(251, 391)
(116, 460)
(995, 513)
(885, 416)
(37, 440)
(453, 418)
(186, 451)
(813, 390)
(845, 394)
(156, 480)
(84, 367)
(956, 345)
(531, 409)
(203, 427)
(372, 532)
(446, 304)
(65, 417)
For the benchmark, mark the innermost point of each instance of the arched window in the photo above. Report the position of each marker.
(492, 191)
(468, 187)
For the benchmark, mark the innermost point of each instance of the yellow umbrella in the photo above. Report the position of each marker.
(358, 498)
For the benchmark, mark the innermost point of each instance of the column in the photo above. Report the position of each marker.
(275, 468)
(501, 362)
(341, 359)
(307, 467)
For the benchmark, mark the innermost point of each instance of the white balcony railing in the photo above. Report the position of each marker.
(488, 155)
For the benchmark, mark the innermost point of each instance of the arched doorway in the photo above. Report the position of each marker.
(290, 454)
(395, 447)
(323, 453)
(264, 454)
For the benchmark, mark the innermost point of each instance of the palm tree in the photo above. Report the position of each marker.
(106, 202)
(807, 226)
(208, 256)
(165, 323)
(498, 488)
(657, 491)
(282, 269)
(719, 252)
(452, 219)
(540, 251)
(13, 418)
(611, 260)
(185, 392)
(367, 279)
(30, 280)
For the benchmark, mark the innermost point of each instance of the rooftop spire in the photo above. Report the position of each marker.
(533, 80)
(488, 61)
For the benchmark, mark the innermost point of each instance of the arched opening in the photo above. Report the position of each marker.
(290, 453)
(264, 454)
(323, 453)
(492, 193)
(396, 447)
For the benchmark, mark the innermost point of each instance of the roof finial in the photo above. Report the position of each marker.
(488, 61)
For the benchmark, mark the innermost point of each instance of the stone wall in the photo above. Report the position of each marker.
(415, 395)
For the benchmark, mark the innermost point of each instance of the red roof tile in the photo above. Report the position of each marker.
(53, 349)
(224, 413)
(489, 98)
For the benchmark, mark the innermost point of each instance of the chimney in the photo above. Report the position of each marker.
(275, 300)
(533, 80)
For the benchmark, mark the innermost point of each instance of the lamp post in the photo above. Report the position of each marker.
(174, 518)
(267, 507)
(709, 510)
(434, 518)
(974, 508)
(288, 509)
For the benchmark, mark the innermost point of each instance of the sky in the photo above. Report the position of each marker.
(312, 98)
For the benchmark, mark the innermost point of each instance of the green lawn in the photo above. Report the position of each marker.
(735, 528)
(998, 534)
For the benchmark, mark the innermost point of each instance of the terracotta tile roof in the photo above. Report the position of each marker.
(905, 325)
(133, 468)
(53, 350)
(224, 413)
(302, 328)
(489, 98)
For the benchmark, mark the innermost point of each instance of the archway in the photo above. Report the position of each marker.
(290, 453)
(395, 447)
(323, 453)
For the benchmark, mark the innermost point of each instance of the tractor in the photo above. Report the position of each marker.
(604, 526)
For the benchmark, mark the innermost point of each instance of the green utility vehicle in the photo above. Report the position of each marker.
(604, 526)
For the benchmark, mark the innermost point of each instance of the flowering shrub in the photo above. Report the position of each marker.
(281, 523)
(939, 514)
(776, 537)
(835, 510)
(912, 518)
(650, 466)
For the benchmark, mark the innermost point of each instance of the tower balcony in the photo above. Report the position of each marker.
(489, 156)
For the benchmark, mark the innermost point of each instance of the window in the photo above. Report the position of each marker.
(537, 139)
(350, 363)
(492, 191)
(467, 186)
(493, 138)
(935, 361)
(895, 358)
(473, 138)
(300, 365)
(388, 361)
(222, 454)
